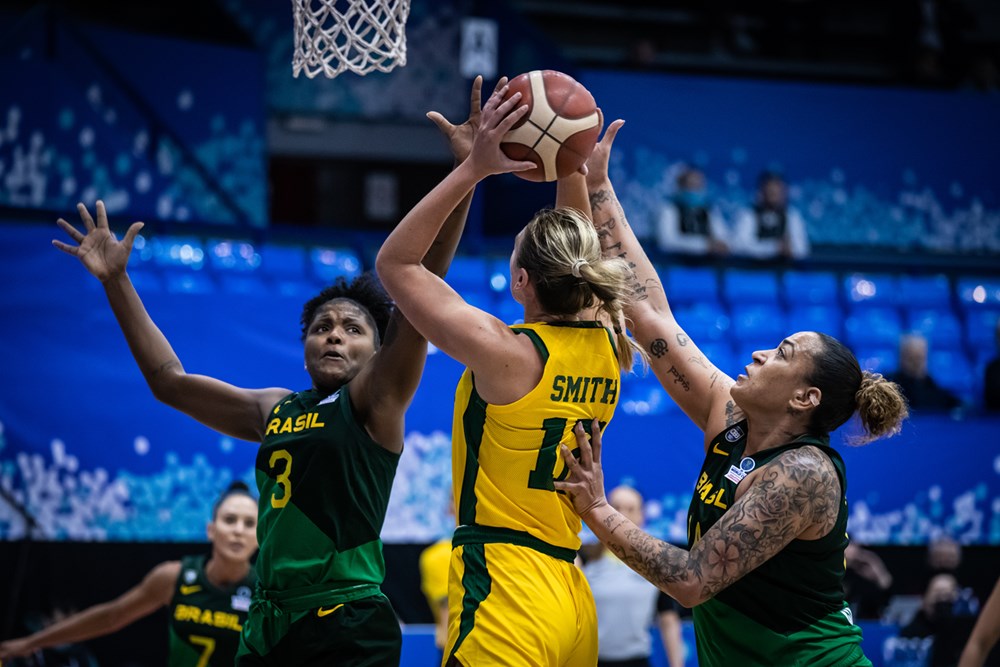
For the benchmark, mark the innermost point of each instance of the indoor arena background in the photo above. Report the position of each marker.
(258, 188)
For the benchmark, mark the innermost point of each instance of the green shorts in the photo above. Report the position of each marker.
(362, 632)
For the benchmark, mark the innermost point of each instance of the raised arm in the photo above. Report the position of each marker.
(154, 592)
(219, 405)
(695, 384)
(798, 491)
(383, 389)
(468, 334)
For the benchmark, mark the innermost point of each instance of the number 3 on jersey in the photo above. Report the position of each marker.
(282, 479)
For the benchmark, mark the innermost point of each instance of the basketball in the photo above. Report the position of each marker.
(560, 129)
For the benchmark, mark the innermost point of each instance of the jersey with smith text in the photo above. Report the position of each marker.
(205, 621)
(790, 610)
(324, 488)
(505, 457)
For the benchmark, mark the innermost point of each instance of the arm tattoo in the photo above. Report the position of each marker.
(658, 348)
(796, 491)
(713, 378)
(598, 198)
(682, 339)
(679, 378)
(699, 361)
(731, 417)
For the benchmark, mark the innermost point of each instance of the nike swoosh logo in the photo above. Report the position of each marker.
(716, 450)
(326, 612)
(188, 590)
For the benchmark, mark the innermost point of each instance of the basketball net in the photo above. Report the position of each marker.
(357, 35)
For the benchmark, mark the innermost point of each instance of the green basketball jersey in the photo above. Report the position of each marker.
(205, 621)
(324, 488)
(791, 609)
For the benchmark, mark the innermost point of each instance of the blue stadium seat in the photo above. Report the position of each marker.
(721, 354)
(328, 264)
(980, 328)
(878, 359)
(643, 395)
(978, 293)
(940, 327)
(189, 282)
(871, 289)
(283, 261)
(826, 318)
(469, 272)
(952, 370)
(759, 324)
(178, 252)
(703, 322)
(233, 256)
(925, 291)
(243, 283)
(873, 326)
(743, 286)
(690, 285)
(810, 287)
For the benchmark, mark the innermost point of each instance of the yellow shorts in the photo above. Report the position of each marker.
(513, 606)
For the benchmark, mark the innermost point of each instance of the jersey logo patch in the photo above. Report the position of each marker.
(716, 450)
(846, 611)
(331, 398)
(190, 576)
(188, 590)
(326, 612)
(241, 601)
(734, 434)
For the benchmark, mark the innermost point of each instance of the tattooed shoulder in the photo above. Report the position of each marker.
(815, 485)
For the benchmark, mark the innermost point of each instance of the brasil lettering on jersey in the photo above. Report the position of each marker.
(216, 619)
(303, 422)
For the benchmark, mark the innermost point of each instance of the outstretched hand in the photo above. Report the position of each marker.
(460, 136)
(16, 648)
(597, 163)
(498, 116)
(585, 483)
(99, 250)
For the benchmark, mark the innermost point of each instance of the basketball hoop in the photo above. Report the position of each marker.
(357, 35)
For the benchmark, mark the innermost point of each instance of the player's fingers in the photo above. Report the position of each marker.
(595, 440)
(132, 232)
(583, 442)
(73, 232)
(523, 166)
(571, 462)
(476, 98)
(443, 123)
(88, 222)
(102, 215)
(510, 103)
(495, 99)
(65, 247)
(609, 135)
(511, 118)
(501, 82)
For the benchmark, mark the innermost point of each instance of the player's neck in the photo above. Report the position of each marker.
(222, 572)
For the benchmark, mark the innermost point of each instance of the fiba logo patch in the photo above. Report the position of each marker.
(190, 576)
(241, 601)
(734, 434)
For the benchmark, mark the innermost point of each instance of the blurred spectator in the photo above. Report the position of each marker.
(945, 616)
(627, 603)
(918, 386)
(688, 223)
(866, 582)
(434, 563)
(771, 228)
(991, 380)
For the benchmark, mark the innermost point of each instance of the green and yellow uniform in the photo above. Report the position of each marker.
(515, 597)
(205, 621)
(790, 610)
(324, 488)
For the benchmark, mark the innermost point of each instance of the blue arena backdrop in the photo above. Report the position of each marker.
(867, 166)
(92, 456)
(150, 124)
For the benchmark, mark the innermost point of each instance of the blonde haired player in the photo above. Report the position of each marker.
(515, 597)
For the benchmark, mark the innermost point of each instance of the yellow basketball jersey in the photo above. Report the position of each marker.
(505, 457)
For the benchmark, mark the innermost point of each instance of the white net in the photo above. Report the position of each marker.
(357, 35)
